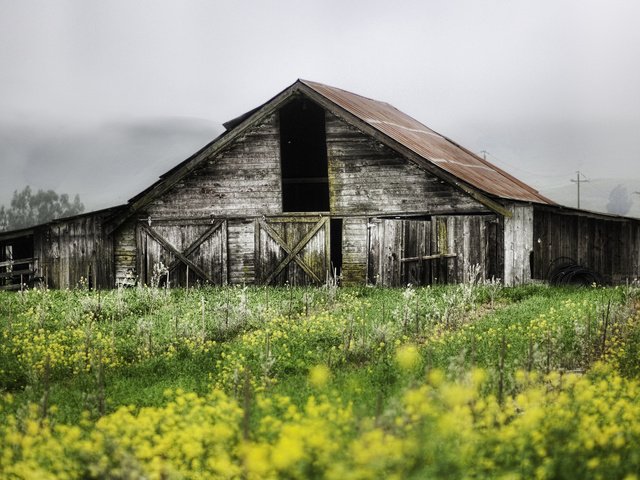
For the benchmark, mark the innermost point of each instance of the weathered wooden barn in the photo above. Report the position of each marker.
(319, 181)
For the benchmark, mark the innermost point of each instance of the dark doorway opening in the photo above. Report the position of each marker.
(336, 246)
(17, 265)
(303, 153)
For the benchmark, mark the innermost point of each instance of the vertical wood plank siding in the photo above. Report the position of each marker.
(125, 254)
(463, 240)
(368, 177)
(610, 247)
(209, 256)
(241, 248)
(476, 240)
(244, 182)
(518, 244)
(73, 249)
(355, 233)
(293, 232)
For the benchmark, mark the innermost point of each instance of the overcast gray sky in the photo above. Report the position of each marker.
(100, 97)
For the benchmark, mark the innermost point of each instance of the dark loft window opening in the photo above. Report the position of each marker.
(336, 246)
(303, 149)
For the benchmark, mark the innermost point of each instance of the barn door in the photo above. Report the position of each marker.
(399, 252)
(191, 253)
(292, 249)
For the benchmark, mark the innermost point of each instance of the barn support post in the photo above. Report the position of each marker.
(518, 244)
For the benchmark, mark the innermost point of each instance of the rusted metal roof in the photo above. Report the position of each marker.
(430, 145)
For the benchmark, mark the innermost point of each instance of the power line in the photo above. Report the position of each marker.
(577, 181)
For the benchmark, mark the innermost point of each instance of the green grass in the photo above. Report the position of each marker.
(77, 356)
(455, 330)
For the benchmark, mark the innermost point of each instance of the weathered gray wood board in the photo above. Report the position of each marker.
(609, 246)
(385, 251)
(125, 254)
(192, 251)
(441, 250)
(355, 243)
(241, 243)
(292, 250)
(477, 242)
(366, 177)
(518, 244)
(75, 249)
(242, 180)
(393, 241)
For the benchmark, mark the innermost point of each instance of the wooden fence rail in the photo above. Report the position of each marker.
(14, 274)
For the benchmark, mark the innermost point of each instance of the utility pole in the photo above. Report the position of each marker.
(577, 181)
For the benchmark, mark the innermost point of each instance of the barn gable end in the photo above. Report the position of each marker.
(265, 237)
(365, 177)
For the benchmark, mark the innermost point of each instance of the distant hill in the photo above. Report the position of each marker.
(594, 195)
(106, 164)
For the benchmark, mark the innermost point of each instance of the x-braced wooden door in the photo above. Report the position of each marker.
(191, 253)
(292, 249)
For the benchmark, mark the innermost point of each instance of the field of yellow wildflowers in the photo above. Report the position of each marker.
(468, 381)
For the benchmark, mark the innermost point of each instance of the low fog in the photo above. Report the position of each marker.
(99, 98)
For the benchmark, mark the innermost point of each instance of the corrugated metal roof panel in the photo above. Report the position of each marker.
(430, 145)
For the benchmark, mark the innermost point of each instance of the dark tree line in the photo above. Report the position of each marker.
(28, 208)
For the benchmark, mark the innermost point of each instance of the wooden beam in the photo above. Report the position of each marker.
(16, 262)
(224, 254)
(429, 257)
(192, 248)
(292, 253)
(283, 244)
(202, 221)
(16, 273)
(153, 234)
(15, 234)
(308, 217)
(294, 218)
